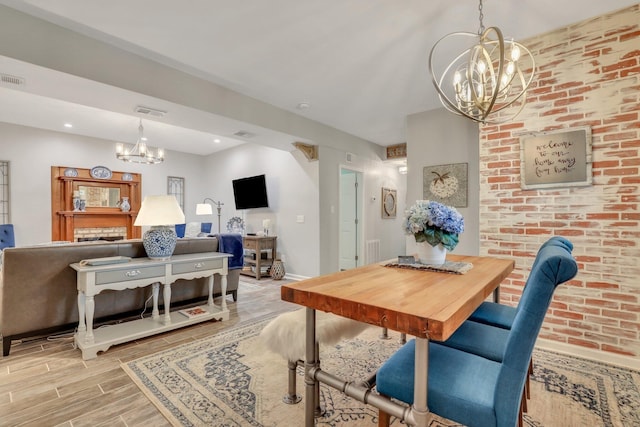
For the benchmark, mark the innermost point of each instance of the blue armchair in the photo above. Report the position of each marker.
(7, 236)
(474, 390)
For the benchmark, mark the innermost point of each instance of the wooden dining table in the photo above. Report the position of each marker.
(430, 305)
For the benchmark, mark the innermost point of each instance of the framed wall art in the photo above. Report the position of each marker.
(389, 203)
(175, 186)
(446, 184)
(556, 159)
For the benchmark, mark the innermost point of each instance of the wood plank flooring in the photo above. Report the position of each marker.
(45, 382)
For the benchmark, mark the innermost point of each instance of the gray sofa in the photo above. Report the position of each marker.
(38, 293)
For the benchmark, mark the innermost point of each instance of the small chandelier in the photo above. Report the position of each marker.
(139, 153)
(485, 78)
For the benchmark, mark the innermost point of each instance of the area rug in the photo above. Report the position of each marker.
(231, 379)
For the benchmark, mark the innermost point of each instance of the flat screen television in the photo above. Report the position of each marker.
(250, 192)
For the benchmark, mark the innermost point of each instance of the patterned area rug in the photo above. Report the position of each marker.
(230, 379)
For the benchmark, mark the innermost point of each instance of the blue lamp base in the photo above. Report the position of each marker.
(159, 242)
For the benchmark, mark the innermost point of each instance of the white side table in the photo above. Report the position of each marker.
(138, 273)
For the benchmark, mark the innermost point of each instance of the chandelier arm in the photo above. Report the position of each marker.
(494, 93)
(523, 92)
(447, 103)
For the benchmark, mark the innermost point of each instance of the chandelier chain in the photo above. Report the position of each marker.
(481, 29)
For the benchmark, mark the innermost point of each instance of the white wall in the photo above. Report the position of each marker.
(31, 153)
(439, 137)
(295, 187)
(292, 189)
(377, 174)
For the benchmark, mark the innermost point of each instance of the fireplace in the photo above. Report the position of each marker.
(100, 218)
(110, 234)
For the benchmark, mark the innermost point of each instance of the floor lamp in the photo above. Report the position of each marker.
(205, 208)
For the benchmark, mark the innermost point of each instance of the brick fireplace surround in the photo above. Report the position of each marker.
(588, 75)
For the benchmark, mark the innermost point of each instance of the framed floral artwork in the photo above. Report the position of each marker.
(446, 184)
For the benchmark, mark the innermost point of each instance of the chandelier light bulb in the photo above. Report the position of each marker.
(481, 66)
(515, 52)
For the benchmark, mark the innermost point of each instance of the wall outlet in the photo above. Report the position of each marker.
(300, 219)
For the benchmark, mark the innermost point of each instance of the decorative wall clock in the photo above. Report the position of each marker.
(389, 203)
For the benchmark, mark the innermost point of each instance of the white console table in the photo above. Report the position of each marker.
(137, 273)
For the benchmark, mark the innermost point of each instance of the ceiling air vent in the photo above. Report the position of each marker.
(9, 80)
(150, 111)
(244, 134)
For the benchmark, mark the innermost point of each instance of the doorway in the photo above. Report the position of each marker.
(351, 201)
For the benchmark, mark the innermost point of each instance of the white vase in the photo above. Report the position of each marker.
(428, 254)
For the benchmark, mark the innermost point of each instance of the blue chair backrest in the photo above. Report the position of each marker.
(180, 229)
(553, 265)
(7, 237)
(553, 241)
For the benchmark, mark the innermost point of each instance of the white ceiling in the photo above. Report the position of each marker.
(361, 65)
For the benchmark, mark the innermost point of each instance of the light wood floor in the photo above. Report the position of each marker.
(46, 383)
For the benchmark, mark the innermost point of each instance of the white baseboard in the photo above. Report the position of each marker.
(588, 353)
(295, 277)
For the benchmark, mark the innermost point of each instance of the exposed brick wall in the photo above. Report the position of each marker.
(588, 75)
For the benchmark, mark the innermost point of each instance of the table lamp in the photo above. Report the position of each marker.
(162, 213)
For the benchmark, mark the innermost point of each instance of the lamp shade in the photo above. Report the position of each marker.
(204, 209)
(159, 210)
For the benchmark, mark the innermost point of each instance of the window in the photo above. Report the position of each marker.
(175, 187)
(4, 192)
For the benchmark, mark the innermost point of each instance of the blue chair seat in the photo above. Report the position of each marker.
(477, 338)
(494, 314)
(461, 385)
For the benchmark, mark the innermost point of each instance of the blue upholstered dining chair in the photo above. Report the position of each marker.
(7, 236)
(501, 315)
(474, 390)
(487, 330)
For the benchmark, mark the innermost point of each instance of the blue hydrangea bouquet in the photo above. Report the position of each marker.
(434, 223)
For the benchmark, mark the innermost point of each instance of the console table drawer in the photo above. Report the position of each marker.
(136, 273)
(191, 266)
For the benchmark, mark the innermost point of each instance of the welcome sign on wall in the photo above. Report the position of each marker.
(556, 159)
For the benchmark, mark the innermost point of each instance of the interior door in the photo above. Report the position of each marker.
(350, 213)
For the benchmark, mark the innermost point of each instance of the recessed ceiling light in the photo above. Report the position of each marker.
(303, 106)
(68, 125)
(217, 141)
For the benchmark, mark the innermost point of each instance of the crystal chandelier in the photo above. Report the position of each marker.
(486, 77)
(140, 152)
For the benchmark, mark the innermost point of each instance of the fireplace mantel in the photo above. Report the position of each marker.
(67, 180)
